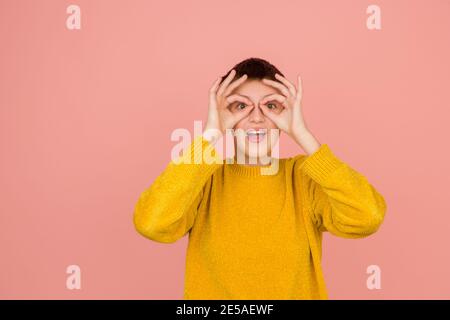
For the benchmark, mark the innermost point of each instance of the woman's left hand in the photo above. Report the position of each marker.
(287, 113)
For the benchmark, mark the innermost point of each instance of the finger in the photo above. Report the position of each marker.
(277, 97)
(237, 97)
(225, 83)
(213, 89)
(277, 85)
(269, 114)
(300, 88)
(287, 83)
(241, 115)
(235, 84)
(215, 85)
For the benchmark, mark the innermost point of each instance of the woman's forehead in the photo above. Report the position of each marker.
(254, 89)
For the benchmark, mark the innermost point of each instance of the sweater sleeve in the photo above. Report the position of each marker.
(341, 200)
(166, 210)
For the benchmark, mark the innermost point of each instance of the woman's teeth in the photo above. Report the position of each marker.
(256, 135)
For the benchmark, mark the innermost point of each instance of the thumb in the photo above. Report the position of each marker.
(241, 115)
(266, 111)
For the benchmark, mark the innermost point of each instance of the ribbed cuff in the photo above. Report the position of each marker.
(320, 164)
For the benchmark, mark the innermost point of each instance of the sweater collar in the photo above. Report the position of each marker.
(256, 170)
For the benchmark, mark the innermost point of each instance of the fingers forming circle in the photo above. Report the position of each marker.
(287, 83)
(225, 83)
(235, 84)
(277, 85)
(277, 97)
(237, 97)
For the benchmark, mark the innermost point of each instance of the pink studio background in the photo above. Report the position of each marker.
(86, 117)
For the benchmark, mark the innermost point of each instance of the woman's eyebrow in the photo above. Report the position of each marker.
(249, 97)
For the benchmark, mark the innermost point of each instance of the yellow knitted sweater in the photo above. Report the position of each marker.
(256, 236)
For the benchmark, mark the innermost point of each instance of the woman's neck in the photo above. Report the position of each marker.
(255, 161)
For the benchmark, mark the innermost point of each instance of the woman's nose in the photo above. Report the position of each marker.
(256, 114)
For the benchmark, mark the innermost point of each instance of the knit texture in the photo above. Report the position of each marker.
(256, 236)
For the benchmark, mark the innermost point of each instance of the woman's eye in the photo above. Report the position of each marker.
(238, 106)
(274, 107)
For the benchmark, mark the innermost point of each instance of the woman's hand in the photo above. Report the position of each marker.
(220, 117)
(287, 112)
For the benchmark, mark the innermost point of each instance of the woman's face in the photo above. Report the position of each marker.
(257, 134)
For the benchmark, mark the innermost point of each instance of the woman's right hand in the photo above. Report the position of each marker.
(220, 117)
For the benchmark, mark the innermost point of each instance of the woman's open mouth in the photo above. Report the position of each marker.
(256, 135)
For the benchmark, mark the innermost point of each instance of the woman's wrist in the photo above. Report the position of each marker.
(211, 135)
(307, 141)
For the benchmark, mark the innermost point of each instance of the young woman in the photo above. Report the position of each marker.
(255, 235)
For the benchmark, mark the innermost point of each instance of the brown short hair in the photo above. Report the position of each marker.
(254, 68)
